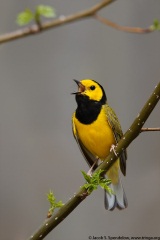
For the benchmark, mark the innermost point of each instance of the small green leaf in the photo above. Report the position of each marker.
(45, 11)
(86, 177)
(53, 203)
(59, 204)
(96, 180)
(25, 17)
(156, 25)
(89, 187)
(51, 197)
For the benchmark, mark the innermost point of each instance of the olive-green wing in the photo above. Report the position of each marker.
(90, 158)
(116, 127)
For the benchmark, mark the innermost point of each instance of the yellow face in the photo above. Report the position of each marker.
(91, 89)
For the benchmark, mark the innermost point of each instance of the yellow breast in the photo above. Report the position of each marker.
(96, 137)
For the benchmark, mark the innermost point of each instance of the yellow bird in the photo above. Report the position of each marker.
(96, 128)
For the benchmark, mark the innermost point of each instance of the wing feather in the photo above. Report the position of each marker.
(116, 127)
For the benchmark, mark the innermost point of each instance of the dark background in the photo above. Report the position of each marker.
(37, 149)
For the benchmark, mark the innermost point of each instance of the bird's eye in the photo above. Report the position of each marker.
(92, 87)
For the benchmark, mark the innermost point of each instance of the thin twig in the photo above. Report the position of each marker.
(78, 197)
(150, 129)
(34, 29)
(123, 28)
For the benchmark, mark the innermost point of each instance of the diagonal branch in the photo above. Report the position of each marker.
(123, 28)
(34, 29)
(128, 137)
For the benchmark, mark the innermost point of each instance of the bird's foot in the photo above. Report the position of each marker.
(113, 149)
(89, 173)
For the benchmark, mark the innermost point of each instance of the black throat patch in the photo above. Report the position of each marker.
(87, 110)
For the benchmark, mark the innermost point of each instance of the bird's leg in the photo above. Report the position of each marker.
(113, 149)
(91, 169)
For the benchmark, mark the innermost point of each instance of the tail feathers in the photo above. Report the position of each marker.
(118, 199)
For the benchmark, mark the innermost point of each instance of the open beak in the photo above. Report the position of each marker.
(81, 87)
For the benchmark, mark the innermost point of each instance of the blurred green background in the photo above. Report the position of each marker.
(37, 149)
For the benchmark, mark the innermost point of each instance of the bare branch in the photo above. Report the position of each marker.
(150, 129)
(35, 29)
(123, 28)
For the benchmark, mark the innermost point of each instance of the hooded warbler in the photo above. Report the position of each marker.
(96, 128)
